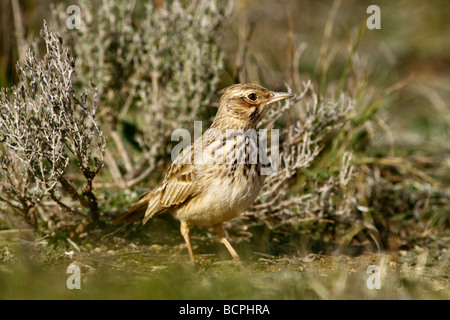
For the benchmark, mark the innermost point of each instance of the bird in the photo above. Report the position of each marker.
(225, 181)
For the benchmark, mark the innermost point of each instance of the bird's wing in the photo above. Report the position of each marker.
(179, 185)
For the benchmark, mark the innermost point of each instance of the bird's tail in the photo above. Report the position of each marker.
(147, 205)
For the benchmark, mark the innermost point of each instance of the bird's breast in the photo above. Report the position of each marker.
(227, 190)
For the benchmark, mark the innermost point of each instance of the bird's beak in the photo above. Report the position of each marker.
(278, 96)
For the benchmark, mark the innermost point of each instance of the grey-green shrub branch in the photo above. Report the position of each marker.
(43, 125)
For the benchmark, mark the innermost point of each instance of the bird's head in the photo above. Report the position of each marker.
(245, 104)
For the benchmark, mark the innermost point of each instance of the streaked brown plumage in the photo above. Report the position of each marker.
(209, 193)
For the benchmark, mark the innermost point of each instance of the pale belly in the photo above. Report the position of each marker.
(222, 200)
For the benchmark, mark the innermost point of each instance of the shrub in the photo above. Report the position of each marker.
(44, 126)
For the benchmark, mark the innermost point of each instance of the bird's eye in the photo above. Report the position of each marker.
(252, 96)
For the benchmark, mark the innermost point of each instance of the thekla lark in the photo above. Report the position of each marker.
(207, 194)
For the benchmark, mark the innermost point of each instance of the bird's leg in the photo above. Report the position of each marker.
(184, 229)
(218, 229)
